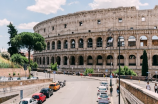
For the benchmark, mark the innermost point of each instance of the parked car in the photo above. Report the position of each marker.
(54, 86)
(104, 83)
(103, 98)
(40, 97)
(47, 91)
(102, 89)
(28, 101)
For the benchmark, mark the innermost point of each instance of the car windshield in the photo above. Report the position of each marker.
(36, 97)
(104, 83)
(102, 88)
(52, 85)
(43, 90)
(104, 96)
(23, 102)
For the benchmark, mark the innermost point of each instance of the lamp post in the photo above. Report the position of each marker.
(109, 30)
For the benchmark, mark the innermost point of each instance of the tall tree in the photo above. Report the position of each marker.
(145, 64)
(13, 32)
(31, 41)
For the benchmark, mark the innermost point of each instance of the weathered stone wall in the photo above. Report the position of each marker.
(7, 84)
(5, 72)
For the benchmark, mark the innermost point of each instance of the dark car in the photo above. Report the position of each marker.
(47, 91)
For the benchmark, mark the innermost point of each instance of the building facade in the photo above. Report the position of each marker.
(83, 40)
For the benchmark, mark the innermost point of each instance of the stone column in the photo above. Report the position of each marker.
(94, 61)
(76, 61)
(69, 44)
(115, 60)
(61, 61)
(76, 43)
(62, 44)
(85, 43)
(104, 61)
(137, 42)
(149, 41)
(137, 60)
(68, 61)
(103, 42)
(94, 43)
(50, 60)
(55, 44)
(85, 60)
(150, 59)
(115, 40)
(50, 45)
(126, 42)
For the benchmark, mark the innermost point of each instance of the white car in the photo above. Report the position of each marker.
(28, 101)
(103, 98)
(102, 89)
(104, 83)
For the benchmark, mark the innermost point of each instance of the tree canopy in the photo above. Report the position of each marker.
(145, 64)
(19, 59)
(31, 41)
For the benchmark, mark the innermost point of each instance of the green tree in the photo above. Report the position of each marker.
(13, 32)
(18, 59)
(31, 41)
(54, 66)
(145, 64)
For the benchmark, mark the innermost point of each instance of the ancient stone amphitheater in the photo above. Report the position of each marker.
(90, 39)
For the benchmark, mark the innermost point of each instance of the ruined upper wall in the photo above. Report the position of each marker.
(120, 18)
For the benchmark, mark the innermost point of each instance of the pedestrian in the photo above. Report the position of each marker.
(148, 86)
(111, 90)
(155, 87)
(117, 90)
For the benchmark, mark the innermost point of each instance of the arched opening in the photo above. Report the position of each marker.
(65, 60)
(43, 60)
(89, 60)
(109, 42)
(58, 60)
(40, 61)
(131, 41)
(99, 60)
(109, 60)
(155, 60)
(72, 43)
(143, 41)
(122, 43)
(81, 60)
(72, 60)
(90, 43)
(121, 60)
(141, 60)
(52, 60)
(47, 60)
(53, 45)
(80, 43)
(59, 44)
(65, 44)
(48, 46)
(99, 42)
(132, 60)
(155, 41)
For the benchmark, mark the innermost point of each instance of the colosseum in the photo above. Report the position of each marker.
(90, 39)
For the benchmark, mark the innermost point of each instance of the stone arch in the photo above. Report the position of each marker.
(109, 42)
(40, 61)
(58, 59)
(58, 44)
(99, 42)
(132, 60)
(155, 60)
(48, 45)
(72, 43)
(141, 60)
(143, 41)
(80, 60)
(65, 44)
(155, 40)
(131, 41)
(43, 60)
(53, 45)
(89, 60)
(121, 60)
(65, 60)
(89, 43)
(81, 43)
(99, 60)
(47, 60)
(122, 41)
(72, 60)
(109, 60)
(52, 59)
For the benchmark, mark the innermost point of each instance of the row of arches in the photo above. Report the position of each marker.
(99, 42)
(98, 61)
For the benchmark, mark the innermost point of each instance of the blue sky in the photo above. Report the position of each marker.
(24, 14)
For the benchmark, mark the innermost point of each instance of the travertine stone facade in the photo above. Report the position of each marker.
(82, 40)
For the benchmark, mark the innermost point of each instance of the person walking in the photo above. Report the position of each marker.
(148, 86)
(155, 87)
(111, 90)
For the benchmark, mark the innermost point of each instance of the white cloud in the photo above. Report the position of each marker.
(27, 25)
(47, 6)
(75, 2)
(115, 3)
(4, 22)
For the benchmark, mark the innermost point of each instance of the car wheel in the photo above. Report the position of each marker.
(40, 102)
(48, 95)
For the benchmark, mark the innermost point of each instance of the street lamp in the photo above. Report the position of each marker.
(109, 30)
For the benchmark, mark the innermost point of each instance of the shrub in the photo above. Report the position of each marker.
(19, 59)
(33, 64)
(53, 66)
(88, 70)
(14, 73)
(5, 55)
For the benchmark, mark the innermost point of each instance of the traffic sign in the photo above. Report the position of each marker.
(54, 72)
(111, 76)
(21, 94)
(106, 70)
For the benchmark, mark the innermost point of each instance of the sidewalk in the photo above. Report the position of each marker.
(114, 96)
